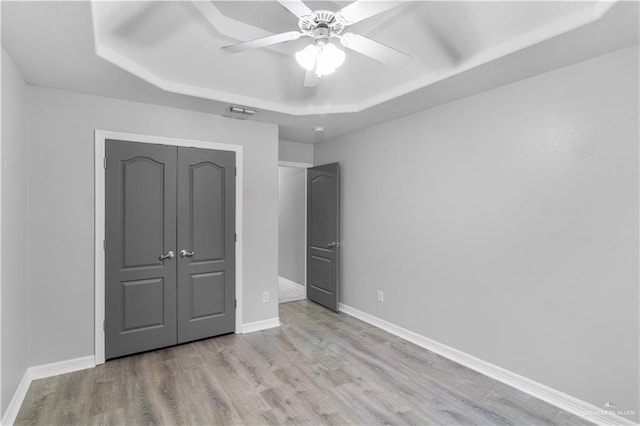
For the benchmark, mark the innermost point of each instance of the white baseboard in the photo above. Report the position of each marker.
(290, 299)
(62, 367)
(250, 327)
(559, 399)
(288, 281)
(41, 372)
(16, 402)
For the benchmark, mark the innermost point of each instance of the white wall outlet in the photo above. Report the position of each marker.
(380, 296)
(265, 297)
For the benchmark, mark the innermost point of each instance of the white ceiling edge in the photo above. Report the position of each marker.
(131, 66)
(226, 26)
(232, 27)
(524, 41)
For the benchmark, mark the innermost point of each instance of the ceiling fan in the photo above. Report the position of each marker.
(322, 57)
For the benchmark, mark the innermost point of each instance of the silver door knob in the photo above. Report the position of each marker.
(333, 244)
(185, 253)
(170, 255)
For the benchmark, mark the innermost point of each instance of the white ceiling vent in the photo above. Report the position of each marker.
(241, 110)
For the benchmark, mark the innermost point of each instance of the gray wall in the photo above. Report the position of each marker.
(506, 225)
(61, 196)
(14, 230)
(295, 152)
(291, 224)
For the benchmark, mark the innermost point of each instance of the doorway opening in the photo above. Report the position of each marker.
(292, 231)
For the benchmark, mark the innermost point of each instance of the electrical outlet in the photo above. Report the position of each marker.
(265, 297)
(380, 296)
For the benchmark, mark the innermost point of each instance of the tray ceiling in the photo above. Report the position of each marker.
(176, 46)
(168, 52)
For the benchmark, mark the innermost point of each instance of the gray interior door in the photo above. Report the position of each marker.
(206, 243)
(323, 235)
(140, 288)
(170, 246)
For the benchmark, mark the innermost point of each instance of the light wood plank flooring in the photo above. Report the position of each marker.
(318, 368)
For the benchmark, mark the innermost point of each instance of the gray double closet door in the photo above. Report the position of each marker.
(170, 246)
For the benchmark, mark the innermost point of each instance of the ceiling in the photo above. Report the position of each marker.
(168, 53)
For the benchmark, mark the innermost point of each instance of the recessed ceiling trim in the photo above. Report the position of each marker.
(553, 29)
(232, 28)
(226, 26)
(133, 67)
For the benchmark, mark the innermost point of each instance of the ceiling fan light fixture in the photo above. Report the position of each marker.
(307, 57)
(321, 59)
(329, 58)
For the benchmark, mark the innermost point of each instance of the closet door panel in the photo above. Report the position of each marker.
(206, 243)
(140, 286)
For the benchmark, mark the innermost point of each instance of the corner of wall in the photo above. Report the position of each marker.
(295, 152)
(13, 304)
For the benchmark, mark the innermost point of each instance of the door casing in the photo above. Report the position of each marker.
(305, 166)
(100, 137)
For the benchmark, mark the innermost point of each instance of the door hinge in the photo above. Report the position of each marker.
(235, 171)
(105, 162)
(104, 245)
(104, 326)
(235, 238)
(236, 303)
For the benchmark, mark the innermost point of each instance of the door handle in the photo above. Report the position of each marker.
(170, 255)
(333, 244)
(185, 253)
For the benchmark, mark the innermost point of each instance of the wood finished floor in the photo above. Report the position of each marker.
(318, 368)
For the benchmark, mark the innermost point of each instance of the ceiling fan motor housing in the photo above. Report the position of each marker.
(321, 25)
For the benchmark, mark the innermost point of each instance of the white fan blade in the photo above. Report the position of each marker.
(311, 79)
(262, 42)
(363, 9)
(297, 7)
(374, 50)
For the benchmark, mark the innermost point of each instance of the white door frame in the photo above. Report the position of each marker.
(304, 166)
(100, 137)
